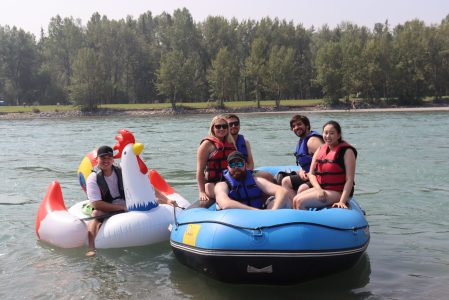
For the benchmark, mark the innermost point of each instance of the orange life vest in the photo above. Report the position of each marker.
(330, 168)
(217, 160)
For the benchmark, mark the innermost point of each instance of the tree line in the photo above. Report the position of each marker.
(175, 59)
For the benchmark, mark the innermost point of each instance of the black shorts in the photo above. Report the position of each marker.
(297, 181)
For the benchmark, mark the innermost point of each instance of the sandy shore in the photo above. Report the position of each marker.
(183, 111)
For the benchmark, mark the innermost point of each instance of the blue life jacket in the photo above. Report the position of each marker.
(246, 192)
(102, 184)
(240, 143)
(303, 157)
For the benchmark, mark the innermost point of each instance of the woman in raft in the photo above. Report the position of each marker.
(331, 173)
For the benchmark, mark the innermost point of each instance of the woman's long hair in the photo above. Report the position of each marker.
(228, 138)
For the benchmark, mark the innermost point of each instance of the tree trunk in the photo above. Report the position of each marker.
(173, 101)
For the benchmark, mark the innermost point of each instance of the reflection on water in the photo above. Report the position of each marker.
(344, 285)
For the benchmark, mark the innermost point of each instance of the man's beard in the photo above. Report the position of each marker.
(240, 176)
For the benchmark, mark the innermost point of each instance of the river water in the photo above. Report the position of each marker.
(402, 181)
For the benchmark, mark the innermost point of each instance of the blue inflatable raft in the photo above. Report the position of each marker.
(271, 247)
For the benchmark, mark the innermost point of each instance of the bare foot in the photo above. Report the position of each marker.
(91, 253)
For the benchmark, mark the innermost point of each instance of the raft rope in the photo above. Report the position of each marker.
(270, 226)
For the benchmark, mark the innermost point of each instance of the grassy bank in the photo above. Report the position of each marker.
(156, 106)
(314, 104)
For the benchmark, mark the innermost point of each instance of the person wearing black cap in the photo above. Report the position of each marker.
(104, 191)
(243, 190)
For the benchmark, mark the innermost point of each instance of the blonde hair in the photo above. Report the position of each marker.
(228, 138)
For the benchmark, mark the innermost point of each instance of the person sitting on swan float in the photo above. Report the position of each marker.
(332, 172)
(243, 190)
(106, 194)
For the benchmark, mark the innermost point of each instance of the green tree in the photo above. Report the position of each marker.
(280, 73)
(377, 56)
(329, 72)
(303, 61)
(222, 77)
(175, 75)
(435, 56)
(409, 60)
(245, 33)
(353, 67)
(255, 67)
(59, 49)
(18, 65)
(85, 89)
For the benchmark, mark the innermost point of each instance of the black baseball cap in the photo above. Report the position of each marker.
(236, 155)
(104, 150)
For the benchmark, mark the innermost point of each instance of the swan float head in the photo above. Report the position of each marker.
(139, 192)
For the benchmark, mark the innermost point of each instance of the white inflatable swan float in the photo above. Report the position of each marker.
(146, 221)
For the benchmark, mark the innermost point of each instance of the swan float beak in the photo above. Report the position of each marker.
(137, 148)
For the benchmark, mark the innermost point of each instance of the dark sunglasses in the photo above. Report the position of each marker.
(234, 124)
(220, 126)
(238, 164)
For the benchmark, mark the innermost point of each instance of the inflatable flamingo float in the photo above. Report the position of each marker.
(146, 221)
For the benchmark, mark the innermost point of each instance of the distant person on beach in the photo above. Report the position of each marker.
(243, 190)
(332, 172)
(104, 191)
(309, 142)
(243, 145)
(212, 157)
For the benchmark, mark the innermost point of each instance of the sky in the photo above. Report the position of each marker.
(32, 15)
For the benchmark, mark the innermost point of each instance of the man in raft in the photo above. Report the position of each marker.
(309, 142)
(243, 190)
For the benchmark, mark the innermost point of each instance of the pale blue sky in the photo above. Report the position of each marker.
(31, 15)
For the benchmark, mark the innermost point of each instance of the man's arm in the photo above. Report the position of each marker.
(161, 198)
(250, 162)
(94, 196)
(313, 144)
(223, 200)
(107, 207)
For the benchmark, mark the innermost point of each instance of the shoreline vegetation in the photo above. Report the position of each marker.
(171, 57)
(145, 110)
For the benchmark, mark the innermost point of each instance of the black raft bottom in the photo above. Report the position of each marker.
(263, 268)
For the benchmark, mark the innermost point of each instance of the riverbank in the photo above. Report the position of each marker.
(108, 112)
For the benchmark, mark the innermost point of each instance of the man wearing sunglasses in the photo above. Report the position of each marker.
(243, 190)
(243, 146)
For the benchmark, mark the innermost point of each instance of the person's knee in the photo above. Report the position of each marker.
(97, 213)
(287, 183)
(302, 188)
(265, 175)
(209, 189)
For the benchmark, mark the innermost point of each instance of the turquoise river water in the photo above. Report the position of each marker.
(402, 181)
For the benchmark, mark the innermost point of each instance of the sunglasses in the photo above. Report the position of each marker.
(220, 126)
(234, 124)
(236, 164)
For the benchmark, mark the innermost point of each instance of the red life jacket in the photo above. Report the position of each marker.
(217, 161)
(330, 168)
